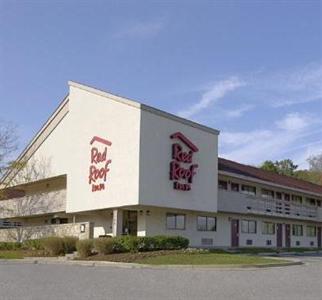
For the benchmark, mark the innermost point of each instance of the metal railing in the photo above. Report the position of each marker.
(280, 207)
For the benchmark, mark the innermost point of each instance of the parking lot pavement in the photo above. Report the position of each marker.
(33, 281)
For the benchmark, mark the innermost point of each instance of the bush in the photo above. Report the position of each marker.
(53, 245)
(9, 245)
(84, 248)
(33, 245)
(171, 242)
(104, 245)
(69, 243)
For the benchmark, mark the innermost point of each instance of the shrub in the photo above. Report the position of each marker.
(33, 245)
(104, 245)
(69, 243)
(171, 242)
(84, 248)
(146, 243)
(9, 245)
(53, 245)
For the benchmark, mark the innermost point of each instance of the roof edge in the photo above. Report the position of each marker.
(142, 106)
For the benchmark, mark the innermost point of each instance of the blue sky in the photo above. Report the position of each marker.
(252, 69)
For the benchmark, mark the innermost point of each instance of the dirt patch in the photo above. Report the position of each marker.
(130, 257)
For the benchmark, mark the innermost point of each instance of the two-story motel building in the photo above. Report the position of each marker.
(106, 165)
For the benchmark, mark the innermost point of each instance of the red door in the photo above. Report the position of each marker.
(235, 233)
(287, 235)
(319, 237)
(279, 232)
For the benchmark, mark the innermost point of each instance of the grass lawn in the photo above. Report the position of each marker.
(207, 259)
(178, 257)
(11, 254)
(19, 254)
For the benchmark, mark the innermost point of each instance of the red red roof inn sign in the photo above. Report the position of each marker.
(182, 168)
(99, 166)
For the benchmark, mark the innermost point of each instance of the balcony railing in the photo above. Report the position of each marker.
(242, 203)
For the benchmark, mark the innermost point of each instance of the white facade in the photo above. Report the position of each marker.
(126, 168)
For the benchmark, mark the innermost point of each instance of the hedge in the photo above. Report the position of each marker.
(139, 244)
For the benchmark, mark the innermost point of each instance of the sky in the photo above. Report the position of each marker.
(252, 69)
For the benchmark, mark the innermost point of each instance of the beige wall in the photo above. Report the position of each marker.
(34, 204)
(95, 115)
(155, 156)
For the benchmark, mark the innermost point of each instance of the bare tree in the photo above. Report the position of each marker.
(315, 162)
(8, 144)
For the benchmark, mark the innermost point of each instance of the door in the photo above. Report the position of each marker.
(279, 236)
(235, 233)
(130, 222)
(287, 235)
(319, 237)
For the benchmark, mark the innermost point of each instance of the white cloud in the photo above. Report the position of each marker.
(290, 87)
(212, 95)
(294, 121)
(255, 146)
(240, 111)
(141, 30)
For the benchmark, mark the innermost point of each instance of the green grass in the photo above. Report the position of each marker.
(14, 254)
(207, 259)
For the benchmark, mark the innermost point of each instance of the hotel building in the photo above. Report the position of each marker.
(106, 165)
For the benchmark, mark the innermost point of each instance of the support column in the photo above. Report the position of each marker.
(117, 223)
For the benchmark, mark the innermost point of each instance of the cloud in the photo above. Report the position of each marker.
(240, 111)
(253, 147)
(212, 95)
(140, 30)
(294, 121)
(289, 87)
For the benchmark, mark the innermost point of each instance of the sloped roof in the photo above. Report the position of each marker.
(253, 172)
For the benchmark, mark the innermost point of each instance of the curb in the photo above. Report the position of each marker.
(46, 261)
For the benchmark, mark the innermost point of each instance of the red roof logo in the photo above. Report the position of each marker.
(100, 140)
(185, 140)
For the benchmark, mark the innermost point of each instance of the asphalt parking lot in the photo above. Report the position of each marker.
(57, 281)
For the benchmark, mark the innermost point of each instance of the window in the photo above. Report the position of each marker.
(297, 230)
(248, 226)
(297, 199)
(318, 203)
(287, 197)
(278, 195)
(310, 201)
(310, 230)
(268, 228)
(267, 194)
(247, 189)
(235, 187)
(176, 221)
(206, 223)
(222, 184)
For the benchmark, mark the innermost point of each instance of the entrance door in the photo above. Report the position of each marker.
(319, 237)
(287, 235)
(235, 233)
(279, 233)
(130, 222)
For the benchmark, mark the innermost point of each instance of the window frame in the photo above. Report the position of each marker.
(295, 230)
(314, 232)
(265, 228)
(220, 186)
(270, 194)
(247, 190)
(236, 185)
(175, 215)
(248, 227)
(207, 229)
